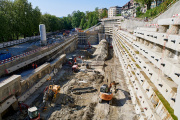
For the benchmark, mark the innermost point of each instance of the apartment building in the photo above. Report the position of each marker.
(155, 3)
(129, 9)
(114, 11)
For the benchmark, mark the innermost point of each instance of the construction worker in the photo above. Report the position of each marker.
(33, 65)
(75, 60)
(36, 65)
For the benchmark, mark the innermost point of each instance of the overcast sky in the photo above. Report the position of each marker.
(64, 7)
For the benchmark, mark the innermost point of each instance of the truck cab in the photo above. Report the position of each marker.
(33, 113)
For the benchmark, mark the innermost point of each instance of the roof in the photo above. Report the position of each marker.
(126, 4)
(32, 109)
(115, 7)
(131, 1)
(129, 4)
(75, 66)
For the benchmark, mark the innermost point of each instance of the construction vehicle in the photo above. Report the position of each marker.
(111, 46)
(50, 95)
(51, 92)
(66, 33)
(55, 89)
(73, 60)
(75, 68)
(33, 113)
(73, 56)
(70, 61)
(105, 94)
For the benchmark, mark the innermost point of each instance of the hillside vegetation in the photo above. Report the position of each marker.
(151, 13)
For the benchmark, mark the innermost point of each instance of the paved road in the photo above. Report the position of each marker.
(25, 47)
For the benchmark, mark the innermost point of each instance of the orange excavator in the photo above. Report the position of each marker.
(105, 93)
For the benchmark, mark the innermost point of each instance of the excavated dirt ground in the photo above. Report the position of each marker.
(85, 105)
(79, 94)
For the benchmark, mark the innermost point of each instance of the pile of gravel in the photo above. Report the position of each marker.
(101, 52)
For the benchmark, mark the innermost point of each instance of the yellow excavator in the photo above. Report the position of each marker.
(50, 94)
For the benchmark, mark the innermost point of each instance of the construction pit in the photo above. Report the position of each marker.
(79, 91)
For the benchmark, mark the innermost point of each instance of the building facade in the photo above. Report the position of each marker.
(129, 9)
(114, 11)
(155, 4)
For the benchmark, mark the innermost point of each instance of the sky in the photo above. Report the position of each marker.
(62, 8)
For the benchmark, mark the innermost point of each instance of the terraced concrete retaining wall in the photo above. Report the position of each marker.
(16, 89)
(144, 82)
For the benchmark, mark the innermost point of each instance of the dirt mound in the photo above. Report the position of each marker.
(101, 52)
(75, 113)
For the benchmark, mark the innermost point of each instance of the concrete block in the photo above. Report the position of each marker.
(169, 21)
(7, 103)
(32, 89)
(10, 86)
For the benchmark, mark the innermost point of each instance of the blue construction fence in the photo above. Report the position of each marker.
(4, 56)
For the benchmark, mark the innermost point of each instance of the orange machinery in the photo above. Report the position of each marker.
(105, 94)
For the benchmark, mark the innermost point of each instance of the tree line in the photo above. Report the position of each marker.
(19, 19)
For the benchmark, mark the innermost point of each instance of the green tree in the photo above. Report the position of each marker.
(6, 17)
(104, 14)
(95, 20)
(23, 14)
(83, 21)
(89, 22)
(76, 18)
(138, 11)
(85, 25)
(36, 18)
(67, 22)
(45, 20)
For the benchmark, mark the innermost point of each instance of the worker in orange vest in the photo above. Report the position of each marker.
(36, 66)
(33, 65)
